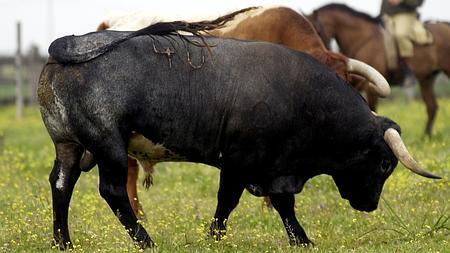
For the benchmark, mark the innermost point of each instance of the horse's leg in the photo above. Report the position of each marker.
(446, 69)
(284, 204)
(428, 96)
(230, 191)
(63, 177)
(133, 172)
(112, 167)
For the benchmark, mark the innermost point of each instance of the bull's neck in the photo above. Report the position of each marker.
(343, 143)
(336, 159)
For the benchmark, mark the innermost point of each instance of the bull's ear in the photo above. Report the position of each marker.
(386, 123)
(377, 135)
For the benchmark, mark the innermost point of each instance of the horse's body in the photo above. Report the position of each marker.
(360, 36)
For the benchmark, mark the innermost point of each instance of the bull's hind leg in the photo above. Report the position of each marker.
(63, 177)
(230, 191)
(112, 166)
(284, 204)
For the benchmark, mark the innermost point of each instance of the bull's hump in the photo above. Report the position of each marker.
(77, 49)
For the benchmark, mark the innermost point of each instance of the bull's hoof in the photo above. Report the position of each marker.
(217, 230)
(301, 242)
(61, 245)
(217, 234)
(146, 244)
(143, 240)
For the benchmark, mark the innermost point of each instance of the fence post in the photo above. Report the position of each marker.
(19, 81)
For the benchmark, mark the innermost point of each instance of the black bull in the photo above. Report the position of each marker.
(268, 117)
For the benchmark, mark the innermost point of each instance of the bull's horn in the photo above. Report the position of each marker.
(378, 82)
(395, 142)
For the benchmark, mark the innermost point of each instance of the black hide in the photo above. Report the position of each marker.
(269, 117)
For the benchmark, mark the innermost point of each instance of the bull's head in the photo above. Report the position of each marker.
(361, 182)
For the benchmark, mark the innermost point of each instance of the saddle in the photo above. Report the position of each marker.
(419, 36)
(391, 50)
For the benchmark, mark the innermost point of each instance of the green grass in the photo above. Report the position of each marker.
(9, 90)
(413, 215)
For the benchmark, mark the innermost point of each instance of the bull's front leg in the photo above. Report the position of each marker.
(112, 165)
(63, 177)
(230, 191)
(284, 204)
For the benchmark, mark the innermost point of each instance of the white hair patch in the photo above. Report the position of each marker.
(60, 181)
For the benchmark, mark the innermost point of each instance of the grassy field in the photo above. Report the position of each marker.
(8, 91)
(413, 214)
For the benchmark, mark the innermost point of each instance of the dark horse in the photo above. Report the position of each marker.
(360, 36)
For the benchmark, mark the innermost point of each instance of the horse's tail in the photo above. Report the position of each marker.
(196, 28)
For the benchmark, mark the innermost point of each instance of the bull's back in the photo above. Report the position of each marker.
(180, 99)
